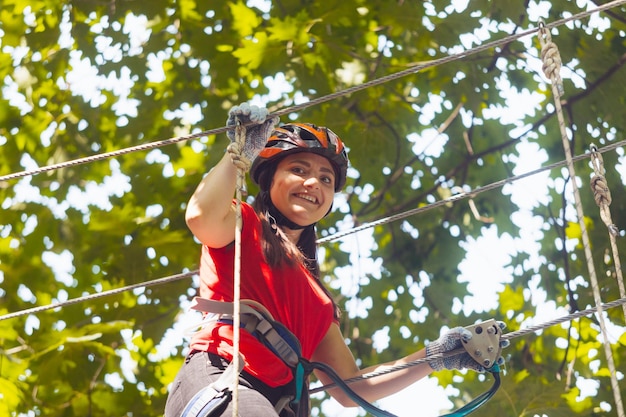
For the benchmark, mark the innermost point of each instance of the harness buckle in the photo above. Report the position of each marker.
(484, 346)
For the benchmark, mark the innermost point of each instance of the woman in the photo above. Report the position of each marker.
(298, 170)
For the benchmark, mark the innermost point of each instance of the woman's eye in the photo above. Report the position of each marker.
(327, 180)
(297, 170)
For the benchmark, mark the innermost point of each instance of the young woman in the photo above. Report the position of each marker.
(298, 170)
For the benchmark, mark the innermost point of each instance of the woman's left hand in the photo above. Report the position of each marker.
(258, 130)
(453, 339)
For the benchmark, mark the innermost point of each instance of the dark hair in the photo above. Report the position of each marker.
(279, 250)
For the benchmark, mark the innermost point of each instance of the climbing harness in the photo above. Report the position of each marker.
(255, 319)
(260, 323)
(212, 400)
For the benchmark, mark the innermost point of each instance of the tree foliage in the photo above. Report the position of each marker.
(81, 78)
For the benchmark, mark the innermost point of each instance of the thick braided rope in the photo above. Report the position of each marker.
(602, 196)
(549, 53)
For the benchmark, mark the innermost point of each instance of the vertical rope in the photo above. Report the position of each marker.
(602, 196)
(241, 164)
(551, 67)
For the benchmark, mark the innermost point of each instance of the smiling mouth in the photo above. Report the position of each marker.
(307, 197)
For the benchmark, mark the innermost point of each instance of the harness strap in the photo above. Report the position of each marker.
(207, 305)
(207, 402)
(256, 319)
(213, 399)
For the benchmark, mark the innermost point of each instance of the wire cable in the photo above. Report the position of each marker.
(101, 294)
(460, 196)
(412, 70)
(507, 336)
(330, 238)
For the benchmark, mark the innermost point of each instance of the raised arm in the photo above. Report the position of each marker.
(210, 212)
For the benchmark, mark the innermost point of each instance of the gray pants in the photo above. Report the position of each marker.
(202, 368)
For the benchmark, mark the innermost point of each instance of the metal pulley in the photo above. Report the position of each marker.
(484, 346)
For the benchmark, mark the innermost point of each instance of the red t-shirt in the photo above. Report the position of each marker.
(291, 294)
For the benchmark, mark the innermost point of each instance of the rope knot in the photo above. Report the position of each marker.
(551, 58)
(235, 148)
(602, 196)
(601, 192)
(237, 157)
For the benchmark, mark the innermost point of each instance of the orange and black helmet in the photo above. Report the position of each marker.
(301, 137)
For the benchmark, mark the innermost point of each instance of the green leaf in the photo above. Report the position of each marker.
(251, 53)
(511, 300)
(577, 404)
(245, 20)
(291, 28)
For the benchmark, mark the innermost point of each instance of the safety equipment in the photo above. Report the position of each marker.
(259, 322)
(486, 344)
(459, 338)
(302, 137)
(257, 133)
(212, 400)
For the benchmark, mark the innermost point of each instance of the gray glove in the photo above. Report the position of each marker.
(453, 339)
(256, 134)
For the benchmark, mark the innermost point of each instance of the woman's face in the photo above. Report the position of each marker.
(303, 187)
